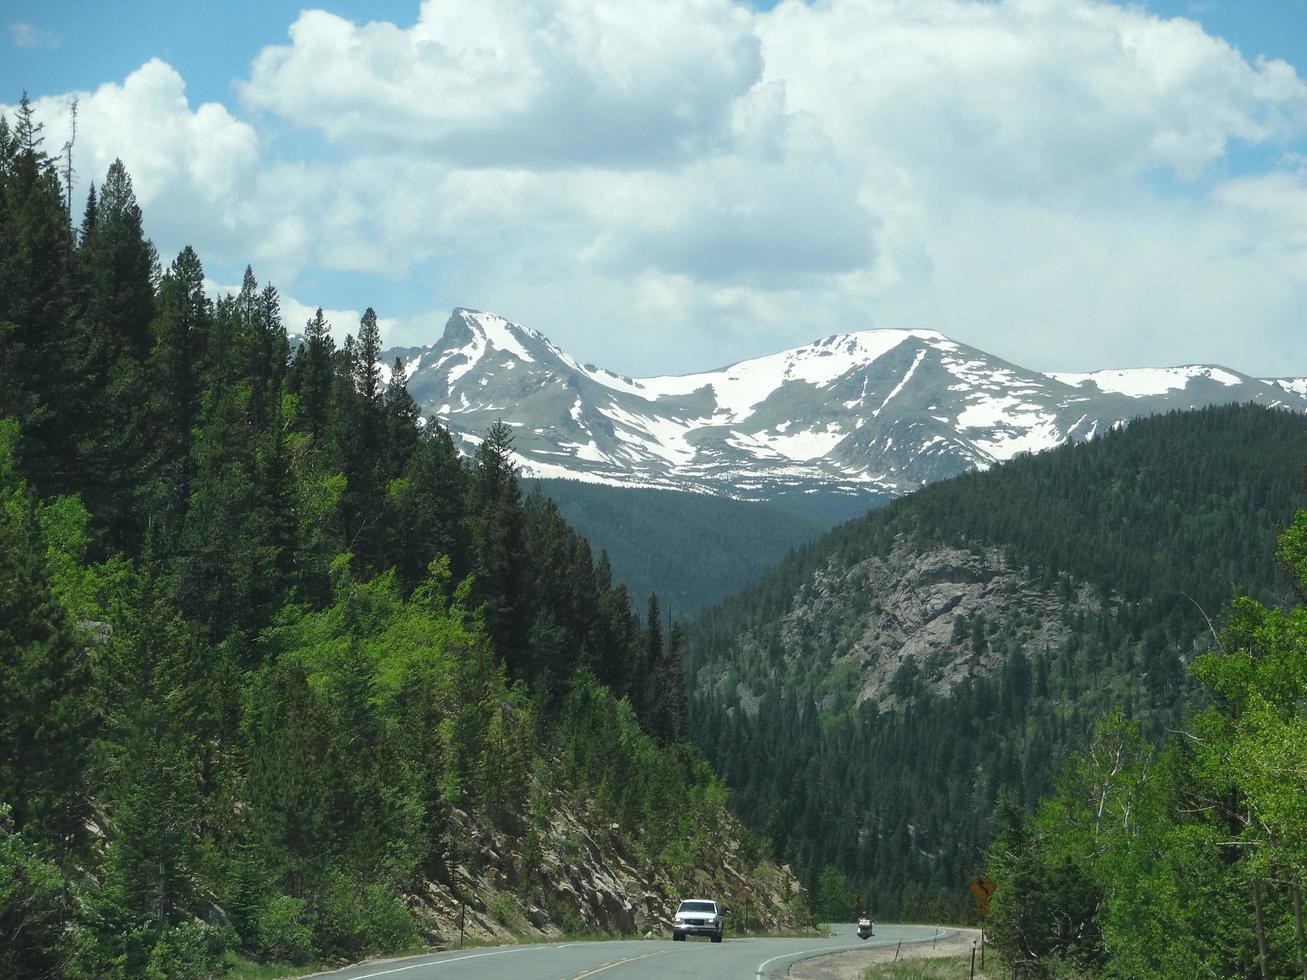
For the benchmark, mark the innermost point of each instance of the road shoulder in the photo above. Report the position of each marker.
(852, 964)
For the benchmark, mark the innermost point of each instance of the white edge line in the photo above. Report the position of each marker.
(823, 950)
(456, 959)
(803, 952)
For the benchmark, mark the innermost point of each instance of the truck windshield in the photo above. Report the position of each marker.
(697, 907)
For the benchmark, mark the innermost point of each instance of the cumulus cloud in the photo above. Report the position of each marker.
(167, 146)
(505, 82)
(1024, 96)
(296, 315)
(190, 167)
(666, 186)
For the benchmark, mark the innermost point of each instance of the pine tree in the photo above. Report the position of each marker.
(118, 272)
(425, 509)
(651, 656)
(495, 510)
(155, 684)
(180, 339)
(367, 363)
(36, 301)
(45, 714)
(268, 354)
(669, 719)
(311, 376)
(402, 420)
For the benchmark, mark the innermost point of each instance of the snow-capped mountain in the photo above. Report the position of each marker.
(879, 411)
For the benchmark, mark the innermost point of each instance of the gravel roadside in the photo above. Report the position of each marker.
(852, 964)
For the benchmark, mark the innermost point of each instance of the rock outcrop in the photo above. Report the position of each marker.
(574, 874)
(927, 619)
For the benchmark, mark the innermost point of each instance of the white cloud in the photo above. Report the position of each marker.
(25, 35)
(519, 82)
(167, 147)
(1024, 96)
(295, 317)
(191, 168)
(670, 186)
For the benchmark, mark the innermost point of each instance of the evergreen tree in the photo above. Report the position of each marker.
(180, 338)
(648, 664)
(359, 438)
(157, 701)
(118, 273)
(310, 378)
(402, 420)
(425, 509)
(495, 510)
(45, 714)
(36, 302)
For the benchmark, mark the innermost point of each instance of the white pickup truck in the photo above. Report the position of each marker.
(698, 917)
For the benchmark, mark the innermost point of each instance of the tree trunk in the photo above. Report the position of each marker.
(1261, 927)
(1296, 890)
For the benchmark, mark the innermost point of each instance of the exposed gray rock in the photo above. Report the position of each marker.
(914, 614)
(584, 878)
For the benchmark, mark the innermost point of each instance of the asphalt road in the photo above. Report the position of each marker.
(633, 959)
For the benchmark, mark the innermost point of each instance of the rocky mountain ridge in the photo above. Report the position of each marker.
(875, 412)
(912, 615)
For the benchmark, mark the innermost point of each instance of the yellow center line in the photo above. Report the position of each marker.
(609, 966)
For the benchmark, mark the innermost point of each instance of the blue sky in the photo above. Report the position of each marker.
(666, 187)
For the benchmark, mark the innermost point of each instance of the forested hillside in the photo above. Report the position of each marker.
(867, 699)
(280, 672)
(691, 549)
(1184, 859)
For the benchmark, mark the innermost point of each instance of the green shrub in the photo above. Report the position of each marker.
(355, 920)
(31, 907)
(188, 950)
(284, 931)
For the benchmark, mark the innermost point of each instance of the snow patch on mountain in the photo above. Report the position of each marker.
(738, 389)
(499, 333)
(876, 410)
(653, 434)
(1141, 382)
(898, 387)
(798, 446)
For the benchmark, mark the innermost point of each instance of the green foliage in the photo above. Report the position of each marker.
(268, 645)
(924, 968)
(33, 907)
(1194, 863)
(1157, 522)
(355, 921)
(674, 810)
(831, 896)
(188, 949)
(43, 676)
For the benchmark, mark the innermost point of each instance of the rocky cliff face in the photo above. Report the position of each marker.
(935, 617)
(568, 873)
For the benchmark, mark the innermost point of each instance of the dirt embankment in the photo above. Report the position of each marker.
(853, 964)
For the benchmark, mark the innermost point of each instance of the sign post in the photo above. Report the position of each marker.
(982, 888)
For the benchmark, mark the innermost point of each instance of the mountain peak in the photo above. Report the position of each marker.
(876, 411)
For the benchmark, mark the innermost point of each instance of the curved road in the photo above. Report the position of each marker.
(633, 959)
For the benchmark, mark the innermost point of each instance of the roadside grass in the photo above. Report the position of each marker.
(926, 968)
(240, 968)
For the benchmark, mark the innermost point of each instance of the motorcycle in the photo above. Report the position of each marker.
(865, 928)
